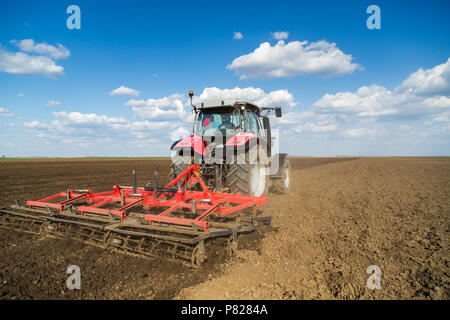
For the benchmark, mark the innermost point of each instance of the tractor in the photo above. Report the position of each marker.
(218, 180)
(232, 143)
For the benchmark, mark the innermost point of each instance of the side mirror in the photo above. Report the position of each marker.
(278, 112)
(266, 123)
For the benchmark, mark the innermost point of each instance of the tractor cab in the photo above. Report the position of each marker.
(226, 118)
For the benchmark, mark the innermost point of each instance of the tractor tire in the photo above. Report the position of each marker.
(282, 185)
(247, 178)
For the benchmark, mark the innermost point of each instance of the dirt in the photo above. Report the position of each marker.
(341, 216)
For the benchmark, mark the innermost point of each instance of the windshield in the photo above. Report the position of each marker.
(207, 123)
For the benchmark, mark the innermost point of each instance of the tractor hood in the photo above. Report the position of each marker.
(193, 141)
(240, 139)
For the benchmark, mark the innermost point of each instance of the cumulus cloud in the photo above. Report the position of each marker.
(22, 63)
(122, 90)
(87, 120)
(5, 113)
(423, 93)
(360, 132)
(314, 127)
(33, 59)
(421, 100)
(77, 125)
(166, 108)
(56, 52)
(280, 35)
(163, 119)
(366, 101)
(179, 133)
(280, 97)
(292, 59)
(305, 122)
(428, 82)
(36, 125)
(53, 103)
(237, 35)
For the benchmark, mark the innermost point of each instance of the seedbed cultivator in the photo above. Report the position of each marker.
(173, 221)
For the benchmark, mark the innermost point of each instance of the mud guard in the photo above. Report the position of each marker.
(277, 162)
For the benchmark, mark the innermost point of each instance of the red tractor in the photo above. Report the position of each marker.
(232, 143)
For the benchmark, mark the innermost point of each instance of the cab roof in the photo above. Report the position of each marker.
(225, 103)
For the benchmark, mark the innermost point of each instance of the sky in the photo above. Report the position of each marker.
(118, 85)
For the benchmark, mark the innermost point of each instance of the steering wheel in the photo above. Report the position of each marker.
(227, 126)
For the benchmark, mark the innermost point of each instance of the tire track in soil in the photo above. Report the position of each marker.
(340, 217)
(35, 268)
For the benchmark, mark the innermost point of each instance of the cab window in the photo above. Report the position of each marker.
(253, 122)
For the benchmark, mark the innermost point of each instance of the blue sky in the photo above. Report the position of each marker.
(344, 89)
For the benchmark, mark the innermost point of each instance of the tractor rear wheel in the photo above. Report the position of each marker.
(282, 185)
(249, 177)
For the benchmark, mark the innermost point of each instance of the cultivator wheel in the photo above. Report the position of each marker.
(144, 247)
(21, 223)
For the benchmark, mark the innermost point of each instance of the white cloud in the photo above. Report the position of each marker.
(421, 103)
(179, 133)
(366, 101)
(237, 35)
(360, 132)
(79, 124)
(294, 58)
(280, 97)
(443, 117)
(305, 122)
(36, 125)
(6, 113)
(53, 103)
(87, 120)
(20, 94)
(418, 96)
(122, 90)
(428, 82)
(22, 63)
(166, 108)
(280, 35)
(161, 120)
(34, 58)
(315, 128)
(28, 45)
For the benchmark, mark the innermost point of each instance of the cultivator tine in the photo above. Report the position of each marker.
(155, 185)
(169, 222)
(134, 181)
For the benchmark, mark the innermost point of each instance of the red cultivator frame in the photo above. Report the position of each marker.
(174, 220)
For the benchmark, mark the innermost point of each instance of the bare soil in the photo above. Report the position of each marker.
(340, 216)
